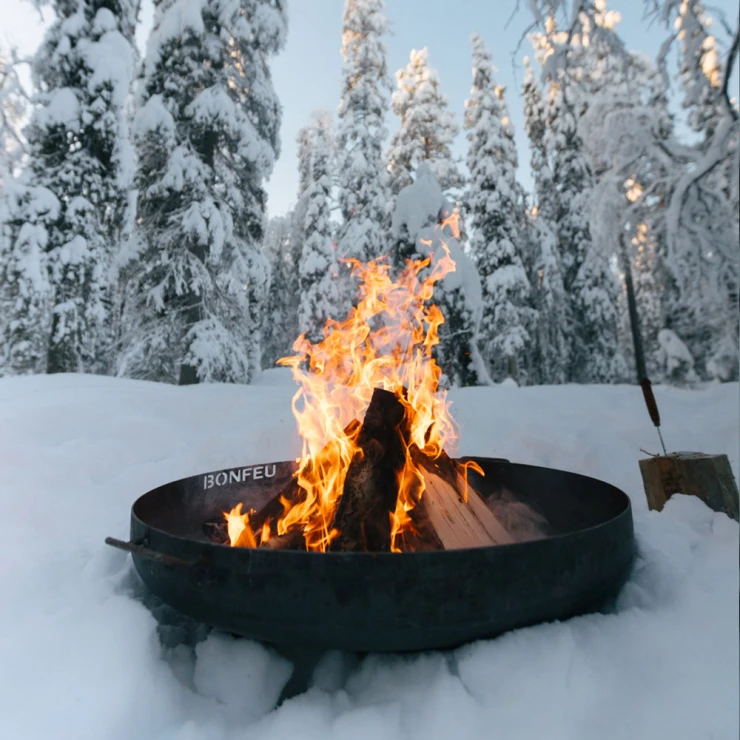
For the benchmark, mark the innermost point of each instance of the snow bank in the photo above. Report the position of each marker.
(83, 655)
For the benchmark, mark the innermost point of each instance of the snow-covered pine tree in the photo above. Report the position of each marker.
(648, 293)
(418, 231)
(206, 130)
(304, 140)
(318, 268)
(13, 104)
(535, 121)
(280, 327)
(29, 213)
(554, 315)
(13, 107)
(77, 170)
(493, 202)
(591, 288)
(361, 178)
(550, 361)
(427, 129)
(284, 253)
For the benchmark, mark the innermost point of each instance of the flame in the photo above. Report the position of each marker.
(240, 532)
(386, 342)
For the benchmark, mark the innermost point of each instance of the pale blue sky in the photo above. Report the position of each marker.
(307, 73)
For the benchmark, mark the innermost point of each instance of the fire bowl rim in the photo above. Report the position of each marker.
(625, 512)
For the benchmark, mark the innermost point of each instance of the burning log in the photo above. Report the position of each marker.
(450, 515)
(288, 497)
(456, 512)
(371, 485)
(292, 540)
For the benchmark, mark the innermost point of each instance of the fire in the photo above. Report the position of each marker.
(386, 342)
(240, 533)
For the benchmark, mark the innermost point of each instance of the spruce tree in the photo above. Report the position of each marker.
(535, 121)
(549, 297)
(13, 108)
(280, 327)
(28, 214)
(361, 178)
(64, 226)
(206, 131)
(428, 128)
(495, 208)
(421, 225)
(318, 269)
(304, 140)
(591, 288)
(551, 362)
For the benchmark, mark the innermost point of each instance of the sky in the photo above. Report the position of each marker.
(307, 73)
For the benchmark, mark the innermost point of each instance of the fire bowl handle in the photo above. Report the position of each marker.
(136, 548)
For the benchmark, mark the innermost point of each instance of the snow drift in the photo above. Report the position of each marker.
(83, 655)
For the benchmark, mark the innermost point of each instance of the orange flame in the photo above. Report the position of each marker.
(237, 524)
(386, 342)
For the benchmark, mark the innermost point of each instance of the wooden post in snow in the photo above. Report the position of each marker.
(709, 477)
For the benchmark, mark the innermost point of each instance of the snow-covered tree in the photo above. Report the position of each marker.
(13, 104)
(280, 327)
(78, 168)
(304, 139)
(427, 127)
(496, 215)
(550, 362)
(709, 194)
(535, 121)
(675, 360)
(13, 108)
(701, 69)
(283, 246)
(318, 268)
(549, 297)
(626, 132)
(28, 217)
(588, 280)
(206, 131)
(689, 200)
(420, 228)
(361, 178)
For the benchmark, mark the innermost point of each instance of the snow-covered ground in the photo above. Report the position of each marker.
(81, 655)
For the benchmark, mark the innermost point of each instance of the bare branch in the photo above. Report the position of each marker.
(513, 13)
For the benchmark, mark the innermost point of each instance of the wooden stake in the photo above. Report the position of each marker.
(709, 477)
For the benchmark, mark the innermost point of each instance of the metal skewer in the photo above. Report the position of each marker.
(652, 406)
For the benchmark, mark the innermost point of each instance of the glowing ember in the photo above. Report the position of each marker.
(385, 342)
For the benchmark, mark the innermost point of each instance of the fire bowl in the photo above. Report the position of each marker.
(385, 602)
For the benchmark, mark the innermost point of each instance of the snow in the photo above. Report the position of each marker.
(83, 655)
(419, 204)
(674, 356)
(62, 109)
(111, 61)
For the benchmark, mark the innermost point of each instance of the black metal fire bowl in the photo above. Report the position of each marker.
(384, 602)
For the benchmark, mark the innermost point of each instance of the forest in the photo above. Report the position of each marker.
(134, 231)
